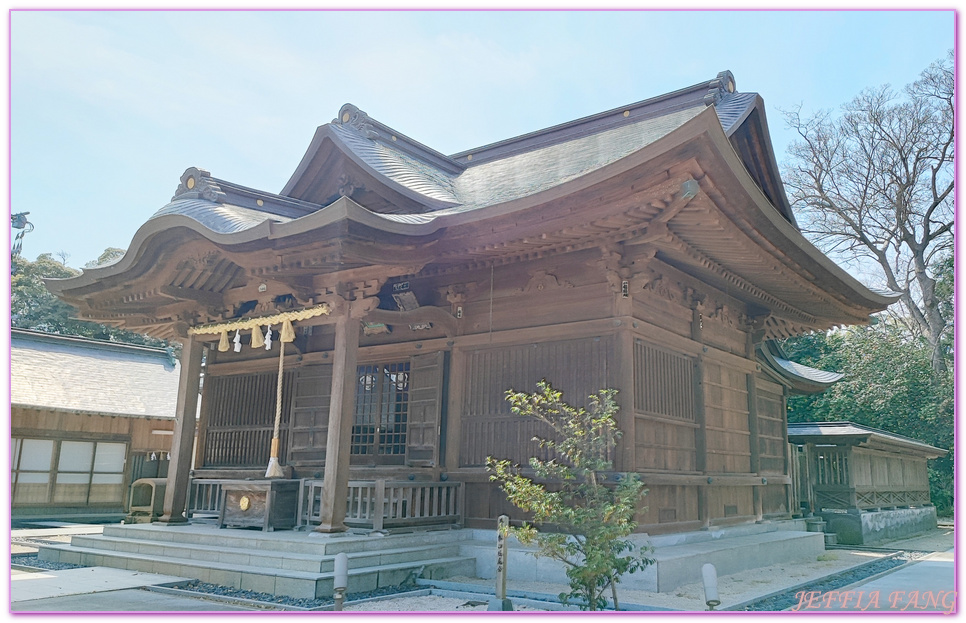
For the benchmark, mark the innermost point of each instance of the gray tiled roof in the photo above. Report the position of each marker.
(65, 373)
(488, 183)
(797, 431)
(810, 374)
(218, 217)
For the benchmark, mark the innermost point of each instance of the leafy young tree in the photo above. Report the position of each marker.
(587, 518)
(876, 183)
(32, 306)
(889, 384)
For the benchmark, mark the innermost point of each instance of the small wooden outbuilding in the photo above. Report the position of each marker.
(846, 466)
(88, 418)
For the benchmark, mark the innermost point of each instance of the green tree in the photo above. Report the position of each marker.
(889, 384)
(586, 515)
(32, 306)
(109, 255)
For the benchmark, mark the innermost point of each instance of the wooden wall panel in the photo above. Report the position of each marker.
(664, 446)
(774, 500)
(771, 428)
(668, 505)
(239, 412)
(726, 409)
(727, 502)
(577, 367)
(722, 335)
(663, 313)
(46, 424)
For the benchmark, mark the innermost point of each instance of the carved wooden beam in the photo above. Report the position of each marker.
(434, 315)
(209, 299)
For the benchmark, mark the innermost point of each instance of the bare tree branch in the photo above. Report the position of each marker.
(876, 183)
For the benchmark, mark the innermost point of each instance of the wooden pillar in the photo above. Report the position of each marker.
(753, 442)
(335, 483)
(626, 459)
(454, 410)
(701, 433)
(176, 491)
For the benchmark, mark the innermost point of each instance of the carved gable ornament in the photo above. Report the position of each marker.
(198, 184)
(543, 281)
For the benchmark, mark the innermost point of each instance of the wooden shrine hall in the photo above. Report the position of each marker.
(356, 332)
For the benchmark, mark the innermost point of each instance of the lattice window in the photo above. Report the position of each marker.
(382, 410)
(832, 467)
(67, 472)
(664, 382)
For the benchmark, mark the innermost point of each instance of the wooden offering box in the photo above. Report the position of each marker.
(265, 504)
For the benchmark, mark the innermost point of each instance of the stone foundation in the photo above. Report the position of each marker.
(856, 527)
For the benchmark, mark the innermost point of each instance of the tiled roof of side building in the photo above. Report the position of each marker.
(77, 374)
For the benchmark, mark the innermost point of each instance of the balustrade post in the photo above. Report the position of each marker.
(380, 503)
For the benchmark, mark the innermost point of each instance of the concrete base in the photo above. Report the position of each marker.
(678, 557)
(501, 605)
(868, 527)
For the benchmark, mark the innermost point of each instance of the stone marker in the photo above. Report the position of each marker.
(500, 602)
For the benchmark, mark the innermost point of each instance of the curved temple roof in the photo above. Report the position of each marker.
(359, 171)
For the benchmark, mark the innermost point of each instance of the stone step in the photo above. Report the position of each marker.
(831, 538)
(304, 542)
(289, 582)
(264, 558)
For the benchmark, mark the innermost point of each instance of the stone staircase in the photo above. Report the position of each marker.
(817, 524)
(292, 563)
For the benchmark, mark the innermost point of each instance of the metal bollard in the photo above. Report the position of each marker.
(710, 577)
(341, 579)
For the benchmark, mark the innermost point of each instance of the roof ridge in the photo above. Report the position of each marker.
(34, 334)
(707, 93)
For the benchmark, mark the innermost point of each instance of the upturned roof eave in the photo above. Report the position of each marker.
(153, 227)
(797, 382)
(766, 213)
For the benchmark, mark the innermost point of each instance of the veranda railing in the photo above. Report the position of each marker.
(403, 503)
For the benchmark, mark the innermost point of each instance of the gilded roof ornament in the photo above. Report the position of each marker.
(198, 184)
(723, 84)
(351, 117)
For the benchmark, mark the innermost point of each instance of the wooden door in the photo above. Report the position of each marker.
(425, 403)
(309, 421)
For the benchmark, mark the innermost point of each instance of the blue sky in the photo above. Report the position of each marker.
(108, 108)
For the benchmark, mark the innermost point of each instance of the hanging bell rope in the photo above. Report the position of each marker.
(288, 335)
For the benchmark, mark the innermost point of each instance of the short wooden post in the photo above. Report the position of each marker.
(502, 530)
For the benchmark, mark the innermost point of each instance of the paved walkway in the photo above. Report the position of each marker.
(927, 585)
(98, 589)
